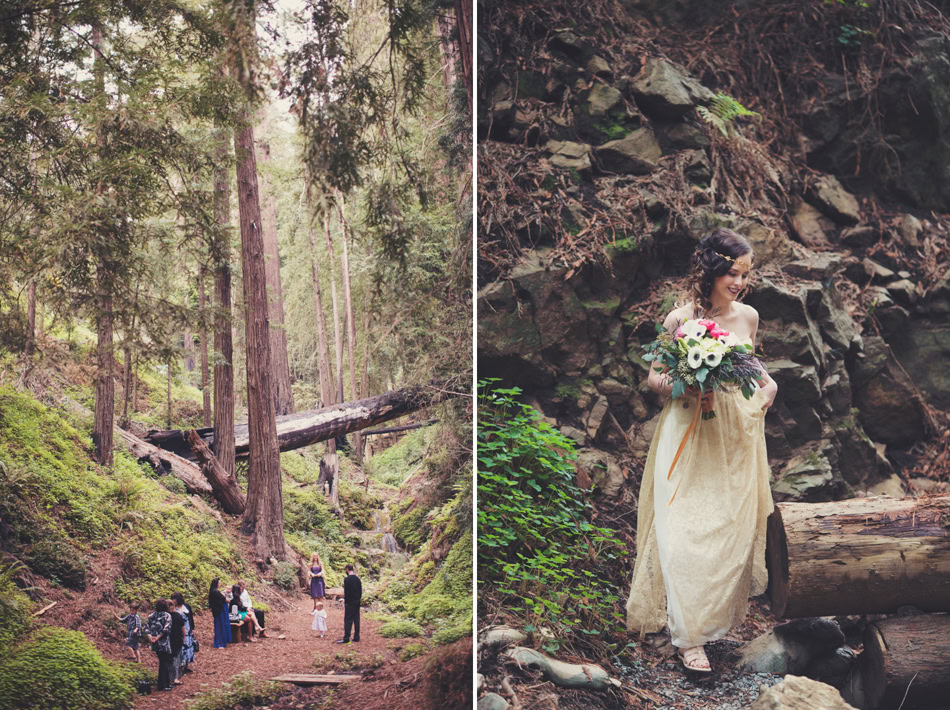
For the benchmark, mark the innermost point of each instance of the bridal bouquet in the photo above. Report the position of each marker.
(700, 354)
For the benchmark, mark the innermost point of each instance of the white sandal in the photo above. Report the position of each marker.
(694, 659)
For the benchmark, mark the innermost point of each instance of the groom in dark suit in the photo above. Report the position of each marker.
(352, 593)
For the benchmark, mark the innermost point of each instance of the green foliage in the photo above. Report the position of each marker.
(359, 506)
(14, 608)
(394, 465)
(412, 650)
(242, 691)
(58, 561)
(446, 600)
(536, 544)
(451, 634)
(285, 576)
(400, 629)
(723, 110)
(307, 511)
(60, 669)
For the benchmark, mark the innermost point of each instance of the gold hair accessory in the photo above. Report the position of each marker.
(730, 259)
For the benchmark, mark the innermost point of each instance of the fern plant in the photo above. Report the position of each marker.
(723, 110)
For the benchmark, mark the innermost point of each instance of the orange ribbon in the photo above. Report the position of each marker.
(691, 430)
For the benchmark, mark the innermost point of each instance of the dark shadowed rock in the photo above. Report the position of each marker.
(816, 266)
(569, 155)
(602, 99)
(832, 199)
(814, 229)
(666, 91)
(859, 237)
(800, 693)
(636, 154)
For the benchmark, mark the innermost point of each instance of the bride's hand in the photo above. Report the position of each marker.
(770, 390)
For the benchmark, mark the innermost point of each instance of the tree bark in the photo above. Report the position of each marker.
(264, 516)
(350, 329)
(223, 344)
(168, 413)
(224, 486)
(280, 362)
(126, 395)
(166, 462)
(205, 379)
(859, 556)
(306, 428)
(30, 321)
(332, 460)
(188, 344)
(405, 427)
(323, 356)
(463, 20)
(906, 655)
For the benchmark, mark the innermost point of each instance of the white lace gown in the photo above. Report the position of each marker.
(701, 556)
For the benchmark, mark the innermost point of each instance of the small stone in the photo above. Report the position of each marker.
(878, 271)
(910, 228)
(492, 701)
(666, 90)
(567, 154)
(596, 418)
(599, 66)
(859, 237)
(572, 433)
(636, 154)
(602, 98)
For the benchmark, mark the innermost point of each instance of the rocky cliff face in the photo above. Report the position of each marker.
(600, 167)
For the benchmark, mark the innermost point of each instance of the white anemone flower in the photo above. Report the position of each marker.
(713, 358)
(695, 357)
(692, 329)
(729, 340)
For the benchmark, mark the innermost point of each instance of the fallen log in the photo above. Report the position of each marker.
(166, 462)
(909, 656)
(308, 679)
(859, 556)
(405, 427)
(224, 487)
(294, 431)
(565, 675)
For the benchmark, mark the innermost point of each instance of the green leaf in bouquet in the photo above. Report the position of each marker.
(649, 357)
(701, 374)
(660, 328)
(679, 387)
(670, 360)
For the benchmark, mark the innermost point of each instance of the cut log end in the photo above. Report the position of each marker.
(776, 561)
(872, 666)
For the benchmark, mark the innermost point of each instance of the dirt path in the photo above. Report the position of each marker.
(271, 656)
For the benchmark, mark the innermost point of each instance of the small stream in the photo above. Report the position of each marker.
(382, 540)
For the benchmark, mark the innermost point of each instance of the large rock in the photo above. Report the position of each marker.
(602, 469)
(829, 196)
(812, 226)
(636, 154)
(800, 693)
(816, 266)
(834, 321)
(808, 477)
(492, 701)
(666, 91)
(923, 348)
(569, 155)
(602, 99)
(790, 647)
(889, 405)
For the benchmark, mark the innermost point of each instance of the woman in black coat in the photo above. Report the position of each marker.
(177, 639)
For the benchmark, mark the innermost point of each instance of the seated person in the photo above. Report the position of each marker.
(248, 604)
(238, 613)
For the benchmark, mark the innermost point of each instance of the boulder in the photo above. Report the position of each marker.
(829, 196)
(568, 155)
(636, 154)
(697, 167)
(492, 701)
(599, 66)
(666, 91)
(616, 392)
(797, 384)
(816, 266)
(835, 323)
(903, 291)
(643, 436)
(602, 99)
(596, 417)
(910, 228)
(791, 647)
(800, 693)
(923, 348)
(859, 237)
(808, 477)
(684, 135)
(892, 486)
(570, 44)
(603, 470)
(812, 226)
(859, 462)
(837, 389)
(890, 409)
(573, 433)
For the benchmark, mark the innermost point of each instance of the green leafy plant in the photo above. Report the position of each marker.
(243, 690)
(723, 110)
(400, 629)
(536, 543)
(285, 576)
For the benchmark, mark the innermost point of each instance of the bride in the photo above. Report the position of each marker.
(701, 554)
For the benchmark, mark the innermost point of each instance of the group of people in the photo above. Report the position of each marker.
(352, 594)
(170, 629)
(234, 606)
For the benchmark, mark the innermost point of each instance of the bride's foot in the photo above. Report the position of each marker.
(694, 659)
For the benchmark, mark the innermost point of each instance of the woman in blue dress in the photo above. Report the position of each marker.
(219, 612)
(188, 643)
(318, 587)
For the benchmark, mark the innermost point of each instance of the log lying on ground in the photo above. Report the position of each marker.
(911, 655)
(225, 487)
(859, 556)
(166, 461)
(405, 427)
(294, 431)
(565, 675)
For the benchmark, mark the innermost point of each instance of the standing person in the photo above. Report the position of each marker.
(159, 626)
(133, 628)
(189, 646)
(177, 638)
(318, 587)
(258, 614)
(219, 612)
(701, 554)
(352, 593)
(319, 619)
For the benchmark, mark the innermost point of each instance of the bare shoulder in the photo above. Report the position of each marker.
(678, 315)
(748, 314)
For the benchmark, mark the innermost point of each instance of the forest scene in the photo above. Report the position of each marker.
(611, 137)
(236, 245)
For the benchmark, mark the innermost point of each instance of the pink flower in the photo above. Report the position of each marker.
(708, 324)
(718, 332)
(680, 333)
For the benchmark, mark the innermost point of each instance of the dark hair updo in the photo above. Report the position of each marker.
(708, 263)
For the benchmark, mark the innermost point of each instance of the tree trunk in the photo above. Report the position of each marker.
(188, 344)
(135, 387)
(126, 395)
(323, 357)
(280, 362)
(364, 381)
(295, 431)
(164, 461)
(333, 461)
(30, 321)
(223, 344)
(168, 414)
(223, 485)
(463, 20)
(264, 517)
(105, 385)
(859, 556)
(205, 379)
(405, 427)
(350, 329)
(909, 655)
